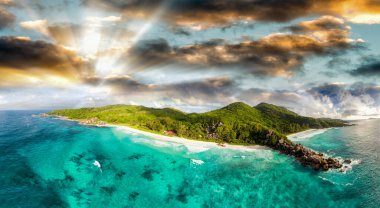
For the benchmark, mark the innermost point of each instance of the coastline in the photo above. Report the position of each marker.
(306, 156)
(192, 145)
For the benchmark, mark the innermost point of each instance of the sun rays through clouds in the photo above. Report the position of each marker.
(193, 55)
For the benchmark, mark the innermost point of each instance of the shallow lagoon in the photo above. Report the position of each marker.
(49, 163)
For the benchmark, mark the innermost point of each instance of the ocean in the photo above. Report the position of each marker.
(46, 162)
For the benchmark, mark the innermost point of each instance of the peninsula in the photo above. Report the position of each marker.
(237, 123)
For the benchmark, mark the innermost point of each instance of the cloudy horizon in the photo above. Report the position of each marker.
(317, 58)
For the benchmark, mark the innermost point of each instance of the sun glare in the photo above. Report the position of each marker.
(90, 42)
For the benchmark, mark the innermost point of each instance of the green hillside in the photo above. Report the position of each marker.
(236, 123)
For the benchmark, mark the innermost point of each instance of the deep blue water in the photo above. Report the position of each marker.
(47, 162)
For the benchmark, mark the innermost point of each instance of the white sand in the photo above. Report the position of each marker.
(192, 145)
(306, 134)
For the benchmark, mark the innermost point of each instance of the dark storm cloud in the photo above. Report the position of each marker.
(368, 69)
(273, 55)
(22, 55)
(7, 19)
(210, 13)
(203, 89)
(181, 31)
(194, 93)
(125, 84)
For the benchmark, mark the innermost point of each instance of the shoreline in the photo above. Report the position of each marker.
(306, 134)
(191, 145)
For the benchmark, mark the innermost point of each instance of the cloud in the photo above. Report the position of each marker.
(358, 99)
(366, 19)
(182, 31)
(219, 13)
(367, 69)
(7, 19)
(65, 33)
(104, 19)
(194, 93)
(123, 84)
(8, 3)
(278, 54)
(62, 33)
(77, 35)
(37, 25)
(324, 24)
(39, 60)
(338, 63)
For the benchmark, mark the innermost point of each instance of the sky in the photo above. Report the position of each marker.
(317, 58)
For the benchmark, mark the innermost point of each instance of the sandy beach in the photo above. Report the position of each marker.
(306, 134)
(191, 145)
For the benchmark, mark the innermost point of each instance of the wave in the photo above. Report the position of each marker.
(97, 164)
(328, 180)
(239, 156)
(307, 134)
(348, 164)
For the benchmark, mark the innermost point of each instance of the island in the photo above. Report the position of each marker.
(237, 123)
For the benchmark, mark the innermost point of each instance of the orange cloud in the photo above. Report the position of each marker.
(214, 13)
(279, 54)
(25, 61)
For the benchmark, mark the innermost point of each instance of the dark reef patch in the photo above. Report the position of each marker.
(119, 175)
(183, 192)
(148, 173)
(182, 198)
(133, 195)
(135, 156)
(25, 175)
(109, 190)
(53, 201)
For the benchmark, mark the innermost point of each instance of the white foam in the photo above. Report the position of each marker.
(347, 167)
(239, 156)
(325, 179)
(97, 164)
(197, 162)
(306, 134)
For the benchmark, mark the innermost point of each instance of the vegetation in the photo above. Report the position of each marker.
(237, 123)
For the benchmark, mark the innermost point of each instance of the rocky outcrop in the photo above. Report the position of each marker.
(170, 133)
(307, 157)
(211, 130)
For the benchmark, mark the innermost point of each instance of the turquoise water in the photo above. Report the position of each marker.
(49, 163)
